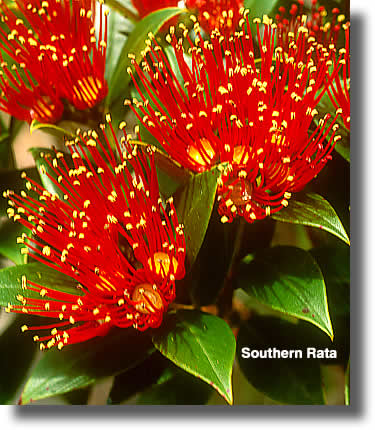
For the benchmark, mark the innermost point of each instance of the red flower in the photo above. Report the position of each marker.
(315, 21)
(144, 7)
(253, 112)
(217, 14)
(339, 91)
(111, 233)
(55, 45)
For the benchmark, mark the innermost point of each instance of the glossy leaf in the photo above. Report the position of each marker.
(314, 211)
(290, 281)
(194, 202)
(259, 8)
(335, 266)
(16, 358)
(176, 388)
(11, 282)
(201, 344)
(40, 155)
(295, 381)
(51, 129)
(118, 24)
(134, 45)
(80, 365)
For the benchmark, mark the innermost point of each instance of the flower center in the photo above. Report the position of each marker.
(147, 298)
(201, 152)
(239, 156)
(241, 193)
(87, 90)
(160, 263)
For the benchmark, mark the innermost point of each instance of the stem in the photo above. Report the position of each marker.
(225, 299)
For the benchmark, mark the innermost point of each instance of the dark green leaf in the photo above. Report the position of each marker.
(9, 248)
(335, 266)
(288, 280)
(137, 379)
(194, 202)
(134, 45)
(10, 179)
(16, 357)
(176, 388)
(80, 365)
(293, 381)
(11, 282)
(6, 155)
(314, 211)
(202, 345)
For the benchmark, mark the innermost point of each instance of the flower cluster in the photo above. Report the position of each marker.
(324, 32)
(250, 111)
(56, 56)
(110, 231)
(223, 15)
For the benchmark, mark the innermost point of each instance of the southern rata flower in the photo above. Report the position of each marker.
(250, 111)
(217, 14)
(110, 232)
(58, 54)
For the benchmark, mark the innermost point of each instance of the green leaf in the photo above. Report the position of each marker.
(295, 381)
(138, 378)
(194, 202)
(11, 179)
(16, 358)
(171, 174)
(11, 282)
(176, 388)
(117, 25)
(9, 248)
(201, 344)
(342, 146)
(314, 211)
(6, 155)
(51, 129)
(9, 231)
(290, 281)
(259, 8)
(40, 155)
(134, 45)
(334, 262)
(80, 365)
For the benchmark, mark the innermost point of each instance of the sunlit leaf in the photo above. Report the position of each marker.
(314, 211)
(290, 281)
(202, 345)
